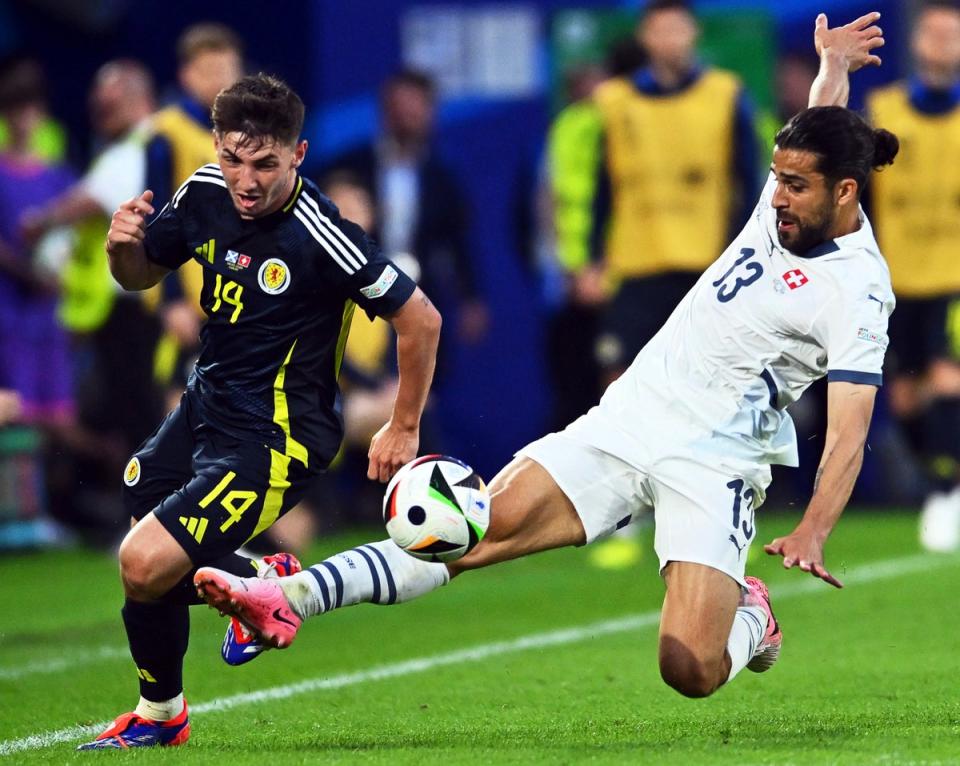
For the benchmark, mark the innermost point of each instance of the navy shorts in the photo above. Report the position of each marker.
(923, 330)
(637, 312)
(211, 491)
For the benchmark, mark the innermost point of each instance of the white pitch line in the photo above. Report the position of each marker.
(57, 664)
(880, 570)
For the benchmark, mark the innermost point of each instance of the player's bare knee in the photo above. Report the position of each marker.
(682, 670)
(138, 571)
(691, 679)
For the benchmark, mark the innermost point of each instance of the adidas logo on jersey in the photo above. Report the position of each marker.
(205, 250)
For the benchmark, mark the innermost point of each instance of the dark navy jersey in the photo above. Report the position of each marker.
(279, 293)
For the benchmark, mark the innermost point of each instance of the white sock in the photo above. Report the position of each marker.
(160, 711)
(749, 627)
(379, 573)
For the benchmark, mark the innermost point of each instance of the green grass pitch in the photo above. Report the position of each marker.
(544, 660)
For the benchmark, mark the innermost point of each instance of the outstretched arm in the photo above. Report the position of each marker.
(417, 325)
(849, 408)
(843, 50)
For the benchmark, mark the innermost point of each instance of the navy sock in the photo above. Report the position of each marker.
(158, 634)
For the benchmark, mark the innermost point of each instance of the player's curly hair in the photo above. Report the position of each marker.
(260, 107)
(845, 145)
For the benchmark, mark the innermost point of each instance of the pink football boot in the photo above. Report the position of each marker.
(259, 604)
(768, 650)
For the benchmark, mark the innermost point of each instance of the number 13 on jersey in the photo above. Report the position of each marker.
(754, 270)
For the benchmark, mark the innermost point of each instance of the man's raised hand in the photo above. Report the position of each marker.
(129, 223)
(855, 41)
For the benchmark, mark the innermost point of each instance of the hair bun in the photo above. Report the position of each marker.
(885, 147)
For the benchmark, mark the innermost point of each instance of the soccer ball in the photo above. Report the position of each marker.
(436, 508)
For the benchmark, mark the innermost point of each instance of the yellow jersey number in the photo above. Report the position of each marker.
(230, 294)
(234, 502)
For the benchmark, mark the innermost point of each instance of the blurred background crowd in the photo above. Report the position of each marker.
(554, 174)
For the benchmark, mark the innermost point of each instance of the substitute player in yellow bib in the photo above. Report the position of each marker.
(677, 179)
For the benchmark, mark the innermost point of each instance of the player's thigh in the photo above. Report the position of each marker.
(705, 522)
(697, 617)
(604, 492)
(237, 491)
(558, 491)
(528, 513)
(162, 464)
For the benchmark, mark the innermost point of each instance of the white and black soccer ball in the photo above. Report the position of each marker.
(436, 508)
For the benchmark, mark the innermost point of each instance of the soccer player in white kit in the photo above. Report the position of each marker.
(692, 427)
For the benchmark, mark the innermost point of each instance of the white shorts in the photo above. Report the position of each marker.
(703, 514)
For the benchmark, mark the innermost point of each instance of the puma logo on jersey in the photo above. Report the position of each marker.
(737, 545)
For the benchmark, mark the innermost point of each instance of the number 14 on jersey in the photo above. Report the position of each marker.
(228, 293)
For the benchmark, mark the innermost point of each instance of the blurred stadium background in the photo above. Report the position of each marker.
(502, 73)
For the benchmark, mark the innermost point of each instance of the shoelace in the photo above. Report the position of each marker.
(265, 570)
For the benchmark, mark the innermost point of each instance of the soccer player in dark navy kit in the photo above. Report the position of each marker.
(260, 417)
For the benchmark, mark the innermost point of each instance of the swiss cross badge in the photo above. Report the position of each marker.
(795, 278)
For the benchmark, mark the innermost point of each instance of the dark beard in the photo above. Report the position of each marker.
(808, 236)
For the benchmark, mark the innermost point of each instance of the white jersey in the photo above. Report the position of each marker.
(755, 331)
